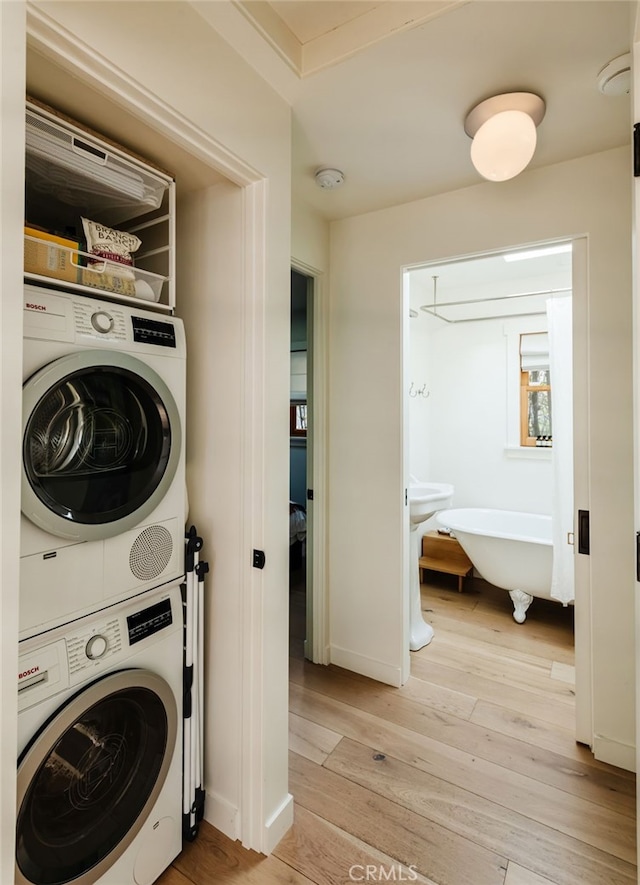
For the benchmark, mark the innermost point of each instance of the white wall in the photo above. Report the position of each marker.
(211, 225)
(309, 238)
(459, 433)
(588, 196)
(237, 315)
(12, 87)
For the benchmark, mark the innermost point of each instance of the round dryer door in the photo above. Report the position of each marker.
(100, 446)
(91, 776)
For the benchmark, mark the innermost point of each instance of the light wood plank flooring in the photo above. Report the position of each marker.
(467, 775)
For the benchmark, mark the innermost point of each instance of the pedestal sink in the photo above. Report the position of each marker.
(425, 499)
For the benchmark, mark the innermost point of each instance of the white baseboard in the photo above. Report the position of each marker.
(278, 824)
(365, 666)
(614, 753)
(225, 817)
(221, 814)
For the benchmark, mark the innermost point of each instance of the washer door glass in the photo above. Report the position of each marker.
(97, 445)
(86, 779)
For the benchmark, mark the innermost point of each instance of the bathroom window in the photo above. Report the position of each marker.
(535, 390)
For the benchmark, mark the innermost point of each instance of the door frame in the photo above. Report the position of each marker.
(584, 731)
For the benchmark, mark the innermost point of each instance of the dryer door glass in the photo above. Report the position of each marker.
(97, 445)
(86, 781)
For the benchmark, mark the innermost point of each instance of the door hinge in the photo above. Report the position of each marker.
(309, 494)
(259, 559)
(636, 150)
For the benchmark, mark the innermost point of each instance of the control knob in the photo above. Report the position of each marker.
(96, 647)
(101, 321)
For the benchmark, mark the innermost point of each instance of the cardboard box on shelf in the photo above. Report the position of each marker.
(50, 256)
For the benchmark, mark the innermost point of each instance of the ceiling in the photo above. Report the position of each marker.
(380, 90)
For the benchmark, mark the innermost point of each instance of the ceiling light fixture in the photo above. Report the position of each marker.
(538, 253)
(328, 179)
(503, 129)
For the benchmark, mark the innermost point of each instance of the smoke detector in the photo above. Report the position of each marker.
(615, 77)
(328, 179)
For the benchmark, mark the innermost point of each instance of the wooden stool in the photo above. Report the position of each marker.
(441, 553)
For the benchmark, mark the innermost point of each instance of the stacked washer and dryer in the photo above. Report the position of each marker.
(101, 624)
(101, 628)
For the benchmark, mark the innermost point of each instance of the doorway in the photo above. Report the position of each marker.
(301, 464)
(474, 321)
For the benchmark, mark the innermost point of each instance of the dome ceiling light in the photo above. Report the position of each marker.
(503, 129)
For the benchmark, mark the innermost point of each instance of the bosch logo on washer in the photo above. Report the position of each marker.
(37, 671)
(30, 306)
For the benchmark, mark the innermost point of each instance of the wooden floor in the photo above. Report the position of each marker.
(467, 775)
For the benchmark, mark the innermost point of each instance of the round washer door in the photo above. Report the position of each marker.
(100, 444)
(90, 777)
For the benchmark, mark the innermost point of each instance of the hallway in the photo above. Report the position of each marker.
(467, 775)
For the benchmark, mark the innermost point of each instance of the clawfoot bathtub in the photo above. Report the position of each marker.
(509, 549)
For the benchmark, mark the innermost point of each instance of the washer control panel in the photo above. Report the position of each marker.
(93, 646)
(98, 321)
(76, 653)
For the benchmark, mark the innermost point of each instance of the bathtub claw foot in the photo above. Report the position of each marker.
(521, 602)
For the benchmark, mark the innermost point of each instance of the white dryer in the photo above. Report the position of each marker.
(103, 455)
(100, 742)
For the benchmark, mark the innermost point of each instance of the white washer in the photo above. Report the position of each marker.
(103, 457)
(100, 743)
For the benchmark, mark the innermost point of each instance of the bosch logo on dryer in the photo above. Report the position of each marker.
(30, 672)
(30, 306)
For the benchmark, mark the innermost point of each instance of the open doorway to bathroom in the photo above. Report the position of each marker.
(300, 455)
(491, 413)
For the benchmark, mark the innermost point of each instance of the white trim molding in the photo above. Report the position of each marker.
(366, 666)
(278, 824)
(221, 814)
(614, 752)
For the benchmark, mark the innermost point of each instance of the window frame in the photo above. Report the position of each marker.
(525, 389)
(513, 328)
